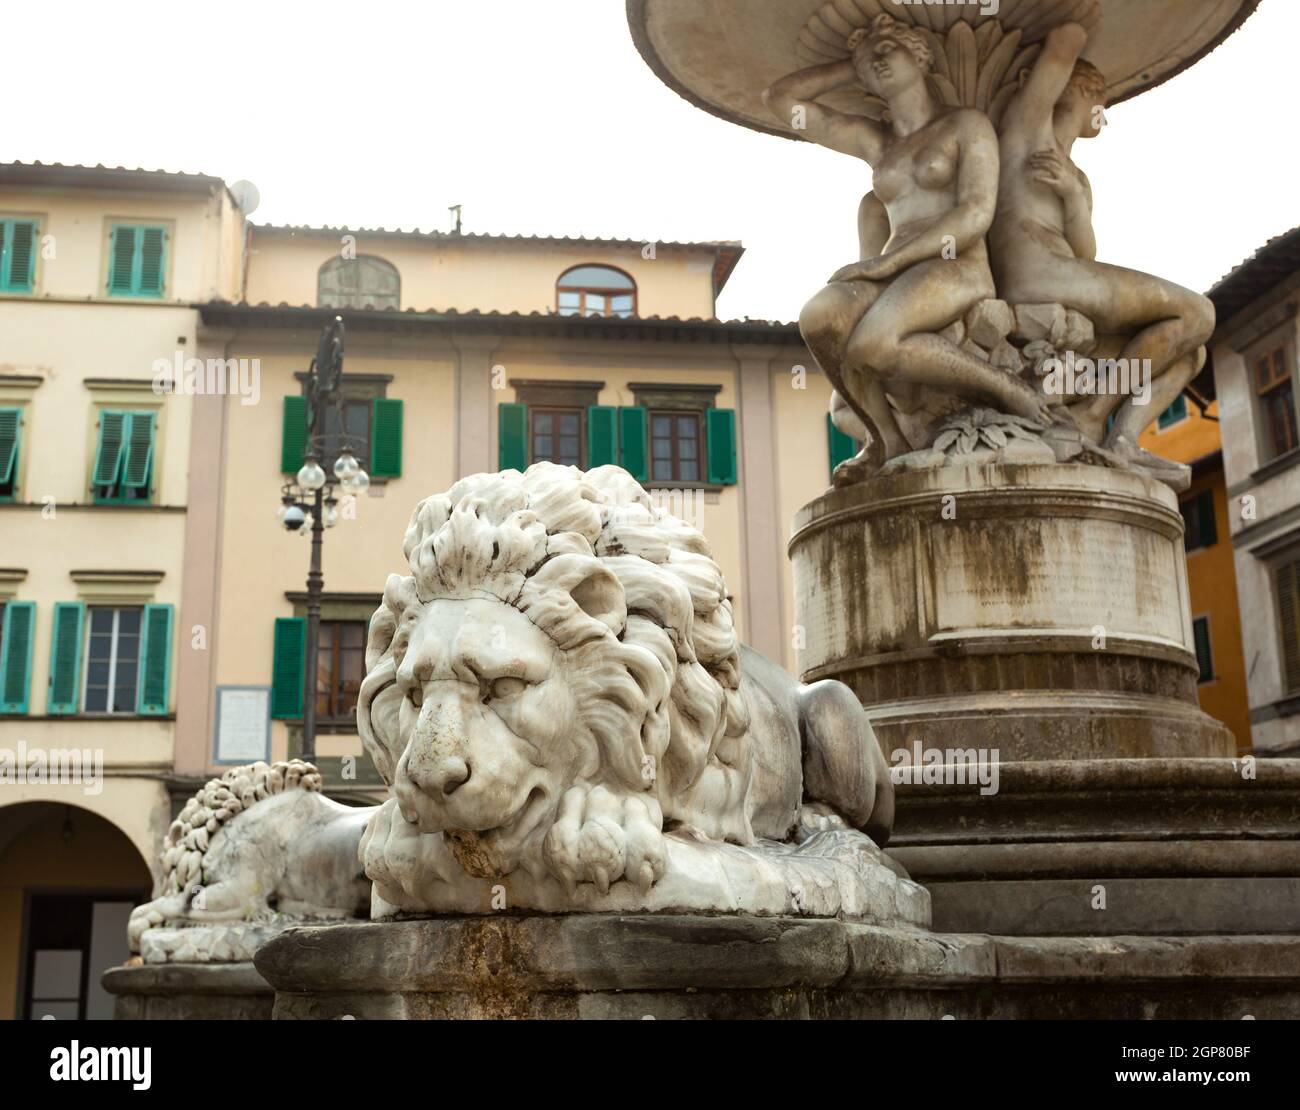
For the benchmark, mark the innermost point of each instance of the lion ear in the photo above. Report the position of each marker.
(600, 595)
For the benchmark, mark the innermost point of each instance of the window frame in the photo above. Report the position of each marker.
(558, 410)
(149, 486)
(337, 263)
(87, 637)
(12, 496)
(135, 293)
(608, 292)
(1278, 342)
(336, 624)
(8, 220)
(1196, 502)
(701, 444)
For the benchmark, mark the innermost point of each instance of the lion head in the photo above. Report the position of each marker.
(557, 633)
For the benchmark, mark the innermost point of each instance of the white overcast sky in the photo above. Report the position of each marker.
(541, 118)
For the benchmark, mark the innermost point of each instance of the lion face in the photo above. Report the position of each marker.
(485, 727)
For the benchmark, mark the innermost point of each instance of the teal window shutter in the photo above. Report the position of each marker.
(9, 420)
(602, 436)
(108, 454)
(155, 662)
(139, 438)
(17, 256)
(721, 432)
(290, 655)
(386, 439)
(512, 437)
(152, 268)
(842, 447)
(632, 442)
(16, 659)
(137, 261)
(293, 435)
(65, 659)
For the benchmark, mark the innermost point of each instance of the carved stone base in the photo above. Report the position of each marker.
(1110, 847)
(179, 992)
(1039, 611)
(670, 966)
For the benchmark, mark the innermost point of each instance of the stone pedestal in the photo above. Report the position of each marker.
(682, 966)
(180, 992)
(1032, 623)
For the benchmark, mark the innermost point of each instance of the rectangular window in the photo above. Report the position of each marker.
(112, 661)
(124, 457)
(340, 667)
(1287, 578)
(137, 261)
(18, 243)
(1174, 414)
(1198, 520)
(675, 441)
(347, 425)
(1204, 656)
(556, 435)
(9, 423)
(1273, 383)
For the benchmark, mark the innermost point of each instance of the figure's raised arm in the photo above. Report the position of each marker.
(793, 101)
(1034, 104)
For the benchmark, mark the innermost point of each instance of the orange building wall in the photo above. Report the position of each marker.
(1211, 574)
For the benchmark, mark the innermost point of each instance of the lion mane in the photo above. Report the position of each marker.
(215, 804)
(657, 679)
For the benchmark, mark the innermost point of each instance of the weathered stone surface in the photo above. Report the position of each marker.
(989, 323)
(607, 966)
(178, 992)
(1043, 323)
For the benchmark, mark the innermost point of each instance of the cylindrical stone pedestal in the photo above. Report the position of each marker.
(1040, 611)
(1021, 637)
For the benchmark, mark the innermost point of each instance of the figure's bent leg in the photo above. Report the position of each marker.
(826, 322)
(898, 338)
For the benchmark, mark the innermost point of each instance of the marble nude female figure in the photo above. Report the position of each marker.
(874, 327)
(1043, 249)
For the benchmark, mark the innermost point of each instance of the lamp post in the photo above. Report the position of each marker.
(309, 504)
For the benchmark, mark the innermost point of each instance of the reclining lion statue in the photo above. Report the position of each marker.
(558, 702)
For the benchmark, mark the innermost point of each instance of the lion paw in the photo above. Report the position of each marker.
(600, 837)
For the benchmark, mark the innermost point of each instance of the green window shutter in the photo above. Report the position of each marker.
(512, 437)
(17, 255)
(287, 668)
(121, 261)
(155, 662)
(293, 435)
(842, 447)
(632, 442)
(16, 660)
(65, 658)
(8, 446)
(112, 438)
(152, 266)
(1204, 652)
(722, 446)
(602, 436)
(139, 440)
(386, 439)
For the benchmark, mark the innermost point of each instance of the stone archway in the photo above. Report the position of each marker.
(68, 878)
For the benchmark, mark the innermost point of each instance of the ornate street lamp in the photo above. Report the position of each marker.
(309, 505)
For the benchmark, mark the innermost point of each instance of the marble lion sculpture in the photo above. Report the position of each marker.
(559, 704)
(258, 843)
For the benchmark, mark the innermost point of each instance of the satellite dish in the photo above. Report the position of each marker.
(246, 196)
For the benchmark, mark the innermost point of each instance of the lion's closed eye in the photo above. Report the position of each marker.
(507, 687)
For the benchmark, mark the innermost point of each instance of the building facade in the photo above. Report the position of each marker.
(1254, 365)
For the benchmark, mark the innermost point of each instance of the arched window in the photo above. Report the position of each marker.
(596, 291)
(364, 282)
